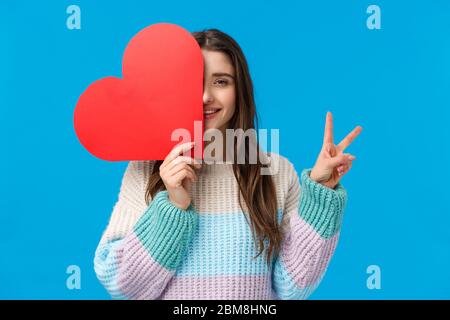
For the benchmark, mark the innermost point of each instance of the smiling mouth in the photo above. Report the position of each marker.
(211, 113)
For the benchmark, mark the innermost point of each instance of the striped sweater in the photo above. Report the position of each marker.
(159, 251)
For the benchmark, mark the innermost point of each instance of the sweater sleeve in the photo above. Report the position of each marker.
(313, 220)
(142, 246)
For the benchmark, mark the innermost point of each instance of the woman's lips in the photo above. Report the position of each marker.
(210, 115)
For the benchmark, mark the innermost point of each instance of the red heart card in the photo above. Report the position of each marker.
(133, 118)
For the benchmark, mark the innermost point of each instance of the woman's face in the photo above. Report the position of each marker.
(219, 92)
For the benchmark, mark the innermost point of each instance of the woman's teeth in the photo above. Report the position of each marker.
(210, 114)
(210, 111)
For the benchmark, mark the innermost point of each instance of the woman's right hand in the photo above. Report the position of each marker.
(177, 173)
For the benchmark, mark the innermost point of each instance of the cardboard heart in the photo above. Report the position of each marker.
(133, 118)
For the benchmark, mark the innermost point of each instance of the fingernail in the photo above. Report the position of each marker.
(352, 157)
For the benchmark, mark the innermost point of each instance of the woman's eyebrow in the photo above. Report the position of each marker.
(222, 74)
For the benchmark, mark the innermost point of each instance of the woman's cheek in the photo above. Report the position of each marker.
(231, 103)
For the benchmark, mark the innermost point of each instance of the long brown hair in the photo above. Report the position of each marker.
(257, 190)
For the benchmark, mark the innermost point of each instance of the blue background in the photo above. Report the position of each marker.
(305, 58)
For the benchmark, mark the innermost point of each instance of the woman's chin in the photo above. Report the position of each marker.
(210, 127)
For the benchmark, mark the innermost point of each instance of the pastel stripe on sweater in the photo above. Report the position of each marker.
(231, 234)
(206, 252)
(149, 254)
(106, 261)
(220, 287)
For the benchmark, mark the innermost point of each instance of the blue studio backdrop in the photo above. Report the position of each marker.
(306, 58)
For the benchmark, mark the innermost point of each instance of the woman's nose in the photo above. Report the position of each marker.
(207, 97)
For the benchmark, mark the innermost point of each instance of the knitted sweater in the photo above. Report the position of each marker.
(159, 251)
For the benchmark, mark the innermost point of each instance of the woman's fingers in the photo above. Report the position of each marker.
(179, 167)
(183, 159)
(177, 179)
(341, 160)
(328, 134)
(330, 150)
(176, 167)
(348, 167)
(175, 152)
(349, 138)
(343, 169)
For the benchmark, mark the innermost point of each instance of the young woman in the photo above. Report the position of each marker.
(187, 230)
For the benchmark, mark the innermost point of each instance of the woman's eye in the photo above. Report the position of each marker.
(221, 82)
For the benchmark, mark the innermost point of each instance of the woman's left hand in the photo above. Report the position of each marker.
(332, 163)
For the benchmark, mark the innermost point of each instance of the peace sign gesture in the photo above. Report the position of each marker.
(332, 164)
